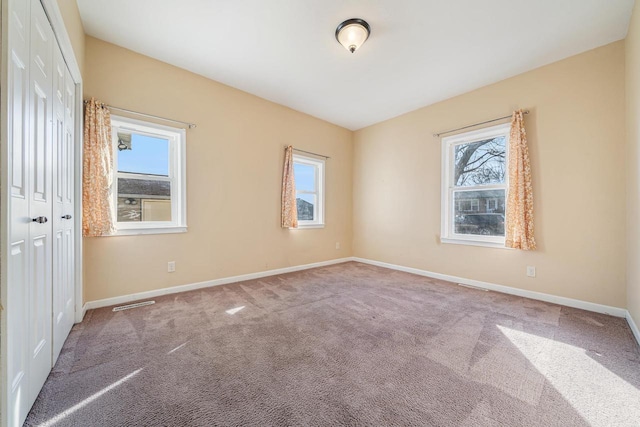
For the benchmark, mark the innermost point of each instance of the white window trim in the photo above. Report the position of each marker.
(447, 231)
(319, 165)
(177, 177)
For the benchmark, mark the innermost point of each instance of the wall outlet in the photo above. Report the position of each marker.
(171, 266)
(337, 245)
(531, 271)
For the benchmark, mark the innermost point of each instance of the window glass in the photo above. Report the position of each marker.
(305, 176)
(143, 154)
(309, 177)
(474, 180)
(471, 218)
(306, 204)
(134, 193)
(480, 162)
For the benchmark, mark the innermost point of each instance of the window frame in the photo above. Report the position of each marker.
(318, 209)
(448, 234)
(177, 176)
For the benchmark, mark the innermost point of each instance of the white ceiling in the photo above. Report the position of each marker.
(419, 52)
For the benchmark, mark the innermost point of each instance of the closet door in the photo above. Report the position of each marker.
(40, 185)
(69, 294)
(63, 179)
(40, 198)
(17, 305)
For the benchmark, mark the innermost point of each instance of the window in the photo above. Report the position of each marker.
(149, 184)
(492, 205)
(474, 186)
(309, 175)
(468, 205)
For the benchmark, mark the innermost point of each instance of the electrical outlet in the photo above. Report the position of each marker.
(337, 245)
(531, 271)
(171, 266)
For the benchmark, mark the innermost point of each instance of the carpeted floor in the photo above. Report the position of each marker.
(349, 344)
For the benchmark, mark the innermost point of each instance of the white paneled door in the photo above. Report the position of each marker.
(40, 194)
(40, 186)
(18, 271)
(63, 207)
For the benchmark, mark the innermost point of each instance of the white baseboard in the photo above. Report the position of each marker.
(209, 283)
(634, 327)
(569, 302)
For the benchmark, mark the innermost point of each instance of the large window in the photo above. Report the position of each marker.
(474, 186)
(309, 177)
(149, 186)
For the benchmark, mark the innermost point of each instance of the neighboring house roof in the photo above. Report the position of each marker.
(143, 187)
(305, 209)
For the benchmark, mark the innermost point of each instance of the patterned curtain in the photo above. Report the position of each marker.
(289, 208)
(97, 172)
(519, 233)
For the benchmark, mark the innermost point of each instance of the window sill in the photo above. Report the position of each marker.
(448, 240)
(303, 226)
(156, 230)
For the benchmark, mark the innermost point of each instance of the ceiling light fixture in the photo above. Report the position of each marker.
(352, 33)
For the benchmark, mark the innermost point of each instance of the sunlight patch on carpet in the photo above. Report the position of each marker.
(177, 348)
(89, 400)
(234, 310)
(597, 394)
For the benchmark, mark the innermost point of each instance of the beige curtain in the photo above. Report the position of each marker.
(97, 172)
(519, 233)
(289, 208)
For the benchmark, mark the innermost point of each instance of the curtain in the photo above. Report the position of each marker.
(97, 171)
(289, 208)
(519, 233)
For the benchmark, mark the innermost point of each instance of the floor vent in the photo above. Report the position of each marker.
(477, 288)
(136, 305)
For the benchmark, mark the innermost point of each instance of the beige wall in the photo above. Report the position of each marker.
(632, 45)
(576, 139)
(73, 23)
(234, 170)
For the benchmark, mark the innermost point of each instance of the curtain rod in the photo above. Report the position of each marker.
(477, 124)
(111, 107)
(309, 152)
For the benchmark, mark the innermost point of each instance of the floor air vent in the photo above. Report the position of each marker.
(135, 305)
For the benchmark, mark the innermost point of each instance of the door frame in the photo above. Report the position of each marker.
(57, 24)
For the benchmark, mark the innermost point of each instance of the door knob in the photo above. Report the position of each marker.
(40, 219)
(67, 216)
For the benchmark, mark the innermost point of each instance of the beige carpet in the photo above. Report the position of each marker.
(349, 344)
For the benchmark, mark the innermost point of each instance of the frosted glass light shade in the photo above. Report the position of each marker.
(352, 33)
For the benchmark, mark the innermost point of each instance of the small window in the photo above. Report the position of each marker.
(149, 182)
(492, 205)
(309, 176)
(468, 205)
(474, 186)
